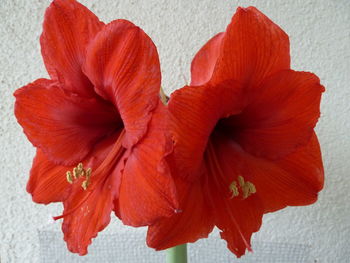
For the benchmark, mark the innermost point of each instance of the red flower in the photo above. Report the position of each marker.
(98, 124)
(244, 138)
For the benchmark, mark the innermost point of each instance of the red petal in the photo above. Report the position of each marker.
(203, 63)
(194, 221)
(238, 220)
(86, 212)
(252, 49)
(302, 177)
(147, 190)
(68, 27)
(47, 182)
(280, 115)
(62, 124)
(122, 62)
(237, 217)
(92, 216)
(291, 181)
(194, 114)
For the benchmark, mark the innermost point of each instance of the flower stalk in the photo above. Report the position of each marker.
(177, 254)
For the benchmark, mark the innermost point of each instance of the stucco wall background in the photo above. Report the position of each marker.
(320, 42)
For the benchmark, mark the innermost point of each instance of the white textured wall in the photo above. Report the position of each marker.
(320, 42)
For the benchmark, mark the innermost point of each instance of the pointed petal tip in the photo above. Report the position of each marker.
(312, 76)
(126, 23)
(241, 9)
(248, 9)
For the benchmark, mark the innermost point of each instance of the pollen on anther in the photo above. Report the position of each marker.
(234, 189)
(247, 188)
(69, 177)
(77, 173)
(85, 184)
(88, 172)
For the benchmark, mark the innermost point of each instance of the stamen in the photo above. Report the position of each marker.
(248, 188)
(78, 172)
(69, 177)
(245, 187)
(100, 173)
(234, 189)
(86, 183)
(214, 164)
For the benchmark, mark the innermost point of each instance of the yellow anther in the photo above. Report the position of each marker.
(247, 188)
(85, 184)
(234, 189)
(88, 173)
(78, 172)
(69, 177)
(241, 181)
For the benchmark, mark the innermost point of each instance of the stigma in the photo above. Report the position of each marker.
(77, 173)
(245, 187)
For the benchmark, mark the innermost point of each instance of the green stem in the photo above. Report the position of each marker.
(177, 254)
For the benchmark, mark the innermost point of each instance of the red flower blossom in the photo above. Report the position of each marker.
(98, 124)
(244, 138)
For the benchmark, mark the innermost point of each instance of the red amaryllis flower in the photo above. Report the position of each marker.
(97, 124)
(244, 138)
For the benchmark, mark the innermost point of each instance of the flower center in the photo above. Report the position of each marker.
(247, 188)
(78, 172)
(237, 187)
